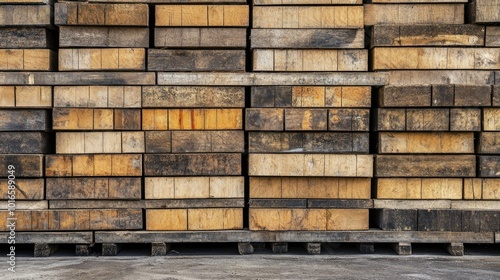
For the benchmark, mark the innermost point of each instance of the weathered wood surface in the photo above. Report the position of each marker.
(96, 119)
(464, 77)
(270, 79)
(411, 14)
(100, 142)
(77, 78)
(339, 203)
(475, 205)
(93, 188)
(311, 165)
(28, 60)
(307, 38)
(308, 17)
(97, 96)
(192, 119)
(307, 2)
(25, 15)
(491, 119)
(405, 96)
(417, 1)
(196, 60)
(158, 141)
(93, 165)
(493, 36)
(307, 142)
(194, 219)
(439, 220)
(348, 119)
(73, 237)
(496, 95)
(310, 96)
(426, 143)
(427, 35)
(192, 96)
(147, 204)
(273, 219)
(26, 166)
(192, 164)
(193, 187)
(26, 96)
(306, 119)
(309, 60)
(26, 143)
(109, 37)
(425, 166)
(396, 219)
(420, 188)
(269, 119)
(489, 143)
(27, 205)
(432, 58)
(278, 203)
(26, 189)
(71, 13)
(24, 120)
(200, 37)
(411, 204)
(483, 11)
(310, 187)
(102, 59)
(208, 142)
(35, 2)
(27, 38)
(489, 166)
(482, 188)
(201, 15)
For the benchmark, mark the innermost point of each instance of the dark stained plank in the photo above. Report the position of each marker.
(405, 96)
(307, 38)
(200, 37)
(340, 203)
(489, 166)
(425, 166)
(192, 164)
(196, 60)
(26, 143)
(278, 203)
(397, 219)
(489, 143)
(93, 188)
(70, 13)
(77, 78)
(26, 38)
(207, 141)
(440, 220)
(117, 37)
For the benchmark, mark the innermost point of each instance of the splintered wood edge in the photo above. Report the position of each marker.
(52, 237)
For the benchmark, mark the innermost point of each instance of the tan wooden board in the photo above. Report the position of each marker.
(193, 187)
(93, 165)
(26, 96)
(28, 60)
(96, 119)
(200, 37)
(194, 219)
(192, 97)
(426, 143)
(409, 14)
(71, 13)
(420, 188)
(97, 142)
(97, 96)
(201, 15)
(102, 59)
(77, 78)
(483, 11)
(93, 188)
(26, 189)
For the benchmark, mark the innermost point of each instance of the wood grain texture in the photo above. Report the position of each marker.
(102, 59)
(25, 15)
(70, 13)
(96, 119)
(307, 2)
(158, 141)
(309, 60)
(93, 188)
(307, 142)
(26, 189)
(97, 96)
(306, 119)
(311, 165)
(491, 120)
(489, 166)
(267, 119)
(493, 36)
(192, 164)
(26, 166)
(307, 38)
(426, 143)
(405, 96)
(77, 78)
(483, 11)
(147, 204)
(100, 142)
(93, 165)
(194, 219)
(27, 38)
(489, 143)
(193, 187)
(28, 60)
(192, 96)
(26, 143)
(427, 35)
(442, 77)
(108, 37)
(200, 37)
(310, 187)
(201, 15)
(411, 14)
(26, 96)
(397, 219)
(208, 141)
(419, 188)
(308, 17)
(348, 119)
(196, 60)
(482, 188)
(24, 120)
(425, 166)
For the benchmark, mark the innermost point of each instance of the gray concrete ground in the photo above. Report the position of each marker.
(225, 263)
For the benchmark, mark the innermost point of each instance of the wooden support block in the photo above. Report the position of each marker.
(366, 248)
(412, 14)
(111, 249)
(196, 60)
(200, 37)
(26, 143)
(397, 219)
(191, 164)
(27, 38)
(279, 247)
(405, 96)
(402, 248)
(427, 35)
(93, 165)
(347, 219)
(70, 13)
(207, 141)
(483, 11)
(44, 249)
(245, 248)
(455, 249)
(306, 119)
(83, 250)
(108, 37)
(160, 248)
(264, 119)
(27, 60)
(334, 165)
(440, 220)
(25, 15)
(93, 188)
(492, 36)
(313, 248)
(307, 38)
(102, 59)
(489, 166)
(489, 143)
(308, 17)
(320, 142)
(32, 189)
(100, 142)
(491, 119)
(158, 141)
(293, 60)
(201, 15)
(426, 142)
(425, 166)
(25, 165)
(348, 119)
(192, 97)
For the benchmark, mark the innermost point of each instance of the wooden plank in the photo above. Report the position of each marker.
(307, 38)
(194, 219)
(100, 142)
(97, 96)
(166, 1)
(73, 237)
(443, 95)
(496, 95)
(93, 188)
(489, 143)
(147, 204)
(483, 11)
(397, 219)
(27, 59)
(308, 17)
(109, 37)
(201, 15)
(192, 97)
(338, 203)
(158, 141)
(193, 187)
(98, 119)
(25, 15)
(77, 78)
(411, 14)
(348, 119)
(404, 96)
(472, 96)
(306, 119)
(319, 142)
(69, 13)
(425, 166)
(474, 205)
(492, 36)
(200, 37)
(40, 2)
(439, 220)
(278, 203)
(465, 119)
(192, 164)
(308, 2)
(440, 77)
(26, 189)
(411, 204)
(196, 60)
(25, 165)
(102, 59)
(27, 38)
(427, 35)
(427, 119)
(26, 96)
(207, 141)
(26, 205)
(310, 165)
(417, 1)
(26, 143)
(93, 165)
(264, 119)
(491, 121)
(489, 166)
(309, 60)
(419, 188)
(426, 143)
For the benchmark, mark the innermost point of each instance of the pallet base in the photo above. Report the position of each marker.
(44, 249)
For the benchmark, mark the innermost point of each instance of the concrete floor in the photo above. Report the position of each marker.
(223, 262)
